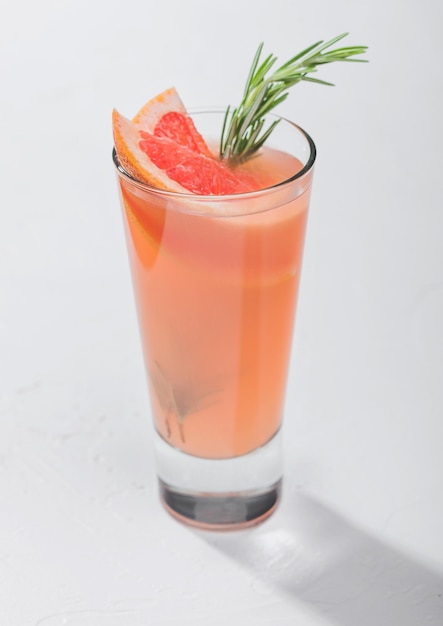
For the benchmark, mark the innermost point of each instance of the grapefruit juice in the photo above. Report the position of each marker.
(216, 299)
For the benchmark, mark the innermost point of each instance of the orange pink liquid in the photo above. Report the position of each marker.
(216, 297)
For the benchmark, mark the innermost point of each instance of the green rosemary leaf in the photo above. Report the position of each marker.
(252, 70)
(310, 79)
(225, 121)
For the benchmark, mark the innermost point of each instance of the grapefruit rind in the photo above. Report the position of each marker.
(134, 160)
(152, 112)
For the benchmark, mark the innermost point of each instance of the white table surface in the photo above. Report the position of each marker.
(357, 539)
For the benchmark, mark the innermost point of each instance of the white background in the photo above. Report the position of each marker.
(358, 536)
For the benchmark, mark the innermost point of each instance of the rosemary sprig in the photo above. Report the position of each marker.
(244, 129)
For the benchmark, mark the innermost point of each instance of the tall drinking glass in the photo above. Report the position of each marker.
(215, 281)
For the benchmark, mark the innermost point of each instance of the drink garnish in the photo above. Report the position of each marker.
(244, 130)
(161, 147)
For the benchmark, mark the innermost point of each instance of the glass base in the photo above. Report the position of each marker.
(220, 512)
(220, 494)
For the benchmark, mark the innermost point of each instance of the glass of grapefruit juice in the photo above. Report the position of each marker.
(215, 280)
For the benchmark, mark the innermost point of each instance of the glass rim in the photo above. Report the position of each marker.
(226, 197)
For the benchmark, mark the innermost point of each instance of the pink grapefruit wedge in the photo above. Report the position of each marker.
(162, 148)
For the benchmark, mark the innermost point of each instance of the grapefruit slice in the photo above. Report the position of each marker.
(162, 148)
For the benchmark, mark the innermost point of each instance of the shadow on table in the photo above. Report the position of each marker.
(347, 575)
